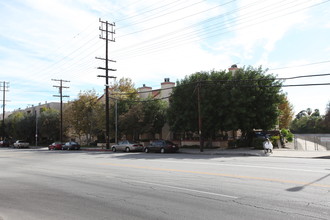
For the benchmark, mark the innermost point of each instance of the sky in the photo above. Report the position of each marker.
(42, 41)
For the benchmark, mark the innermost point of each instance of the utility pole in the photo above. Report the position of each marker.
(35, 114)
(60, 88)
(201, 142)
(4, 88)
(116, 121)
(107, 38)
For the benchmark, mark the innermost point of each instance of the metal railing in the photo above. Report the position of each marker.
(312, 142)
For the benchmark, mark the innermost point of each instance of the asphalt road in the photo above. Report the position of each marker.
(42, 184)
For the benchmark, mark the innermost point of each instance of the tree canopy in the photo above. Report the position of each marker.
(286, 113)
(82, 115)
(147, 117)
(245, 100)
(309, 121)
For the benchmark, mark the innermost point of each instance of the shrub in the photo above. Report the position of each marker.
(274, 140)
(232, 144)
(258, 143)
(242, 143)
(287, 135)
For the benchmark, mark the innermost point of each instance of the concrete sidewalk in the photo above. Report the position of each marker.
(248, 152)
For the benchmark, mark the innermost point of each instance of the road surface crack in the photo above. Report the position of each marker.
(278, 210)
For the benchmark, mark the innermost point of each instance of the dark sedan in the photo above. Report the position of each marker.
(71, 145)
(55, 146)
(162, 146)
(4, 143)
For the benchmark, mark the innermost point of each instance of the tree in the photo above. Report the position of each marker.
(246, 100)
(301, 114)
(21, 125)
(326, 121)
(80, 115)
(49, 125)
(130, 122)
(286, 112)
(316, 113)
(154, 116)
(147, 117)
(122, 98)
(307, 121)
(309, 111)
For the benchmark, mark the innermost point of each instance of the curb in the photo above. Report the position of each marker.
(224, 153)
(91, 149)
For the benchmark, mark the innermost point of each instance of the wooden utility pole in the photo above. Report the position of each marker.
(201, 141)
(107, 38)
(4, 88)
(60, 88)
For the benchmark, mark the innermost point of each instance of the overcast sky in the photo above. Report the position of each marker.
(41, 40)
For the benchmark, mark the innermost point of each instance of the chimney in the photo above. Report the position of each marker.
(145, 91)
(233, 69)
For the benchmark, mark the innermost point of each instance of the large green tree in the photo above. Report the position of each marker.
(122, 98)
(309, 121)
(21, 125)
(245, 100)
(144, 117)
(49, 125)
(81, 116)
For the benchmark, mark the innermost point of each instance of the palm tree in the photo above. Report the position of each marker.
(309, 111)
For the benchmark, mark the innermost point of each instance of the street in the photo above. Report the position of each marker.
(42, 184)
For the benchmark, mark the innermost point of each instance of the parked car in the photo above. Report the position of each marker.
(55, 146)
(4, 143)
(127, 146)
(21, 144)
(261, 135)
(161, 146)
(71, 145)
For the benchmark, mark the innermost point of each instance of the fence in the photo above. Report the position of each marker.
(312, 142)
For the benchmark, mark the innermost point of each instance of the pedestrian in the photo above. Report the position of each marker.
(268, 146)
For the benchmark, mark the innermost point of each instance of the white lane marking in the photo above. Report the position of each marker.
(245, 165)
(186, 189)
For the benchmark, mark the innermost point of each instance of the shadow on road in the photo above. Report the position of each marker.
(299, 188)
(138, 155)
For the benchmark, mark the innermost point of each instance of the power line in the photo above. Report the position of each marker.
(236, 85)
(295, 66)
(147, 11)
(157, 46)
(182, 18)
(186, 37)
(235, 81)
(158, 39)
(161, 15)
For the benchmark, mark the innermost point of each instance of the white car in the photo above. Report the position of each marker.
(127, 146)
(21, 144)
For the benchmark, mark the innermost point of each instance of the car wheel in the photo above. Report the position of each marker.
(114, 149)
(162, 150)
(49, 149)
(127, 149)
(146, 150)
